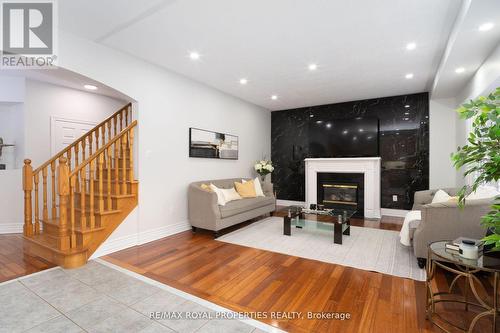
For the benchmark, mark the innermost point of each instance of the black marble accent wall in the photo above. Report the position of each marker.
(403, 144)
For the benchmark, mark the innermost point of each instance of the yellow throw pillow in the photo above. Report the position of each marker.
(453, 199)
(206, 187)
(246, 190)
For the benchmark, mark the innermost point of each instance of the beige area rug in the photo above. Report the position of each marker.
(366, 248)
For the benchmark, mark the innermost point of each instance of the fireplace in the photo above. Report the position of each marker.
(344, 194)
(363, 171)
(341, 191)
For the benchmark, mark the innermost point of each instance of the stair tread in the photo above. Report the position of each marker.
(97, 212)
(51, 243)
(135, 181)
(78, 229)
(116, 196)
(119, 168)
(55, 222)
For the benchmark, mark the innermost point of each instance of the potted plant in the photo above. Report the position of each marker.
(263, 168)
(481, 157)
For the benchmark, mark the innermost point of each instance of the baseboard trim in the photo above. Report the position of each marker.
(394, 212)
(140, 238)
(11, 228)
(289, 203)
(154, 234)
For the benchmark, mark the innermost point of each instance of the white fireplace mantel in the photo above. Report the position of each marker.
(369, 166)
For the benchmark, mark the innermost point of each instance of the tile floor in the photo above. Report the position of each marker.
(99, 297)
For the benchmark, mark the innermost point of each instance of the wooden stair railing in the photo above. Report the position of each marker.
(82, 186)
(100, 176)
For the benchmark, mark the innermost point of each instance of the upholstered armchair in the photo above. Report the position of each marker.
(446, 221)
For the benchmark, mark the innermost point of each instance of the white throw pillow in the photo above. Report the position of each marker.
(485, 192)
(257, 186)
(441, 196)
(221, 200)
(230, 194)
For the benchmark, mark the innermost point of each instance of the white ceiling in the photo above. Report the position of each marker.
(359, 45)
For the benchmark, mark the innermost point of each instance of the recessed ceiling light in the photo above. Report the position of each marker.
(274, 97)
(361, 130)
(243, 81)
(90, 87)
(312, 67)
(459, 70)
(319, 121)
(411, 46)
(407, 106)
(486, 26)
(409, 76)
(194, 55)
(311, 116)
(407, 113)
(328, 125)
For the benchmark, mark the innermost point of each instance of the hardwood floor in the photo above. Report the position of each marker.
(252, 280)
(13, 262)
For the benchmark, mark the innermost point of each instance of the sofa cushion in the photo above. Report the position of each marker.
(246, 190)
(243, 205)
(440, 196)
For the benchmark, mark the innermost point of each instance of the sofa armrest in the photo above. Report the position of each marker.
(447, 221)
(268, 189)
(203, 210)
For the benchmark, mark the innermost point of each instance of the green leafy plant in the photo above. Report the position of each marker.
(480, 157)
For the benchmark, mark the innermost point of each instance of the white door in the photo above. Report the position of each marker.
(66, 131)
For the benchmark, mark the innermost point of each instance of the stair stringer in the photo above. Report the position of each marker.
(126, 207)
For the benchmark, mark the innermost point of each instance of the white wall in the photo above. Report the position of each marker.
(167, 105)
(11, 201)
(448, 131)
(45, 100)
(12, 89)
(12, 132)
(442, 142)
(485, 80)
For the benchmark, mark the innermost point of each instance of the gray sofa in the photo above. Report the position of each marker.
(205, 213)
(446, 221)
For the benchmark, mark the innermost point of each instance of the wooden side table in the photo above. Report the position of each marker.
(439, 256)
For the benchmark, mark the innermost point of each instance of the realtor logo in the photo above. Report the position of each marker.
(28, 34)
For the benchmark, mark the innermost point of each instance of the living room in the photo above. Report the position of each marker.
(236, 166)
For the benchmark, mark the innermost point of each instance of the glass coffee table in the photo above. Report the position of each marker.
(336, 220)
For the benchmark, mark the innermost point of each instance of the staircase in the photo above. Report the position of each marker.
(75, 200)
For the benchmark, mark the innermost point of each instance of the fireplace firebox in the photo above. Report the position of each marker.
(344, 194)
(341, 191)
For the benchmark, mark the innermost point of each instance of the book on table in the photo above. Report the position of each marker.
(455, 244)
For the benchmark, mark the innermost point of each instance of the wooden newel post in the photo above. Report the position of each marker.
(27, 188)
(63, 187)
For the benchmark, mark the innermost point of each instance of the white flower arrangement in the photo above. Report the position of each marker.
(264, 167)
